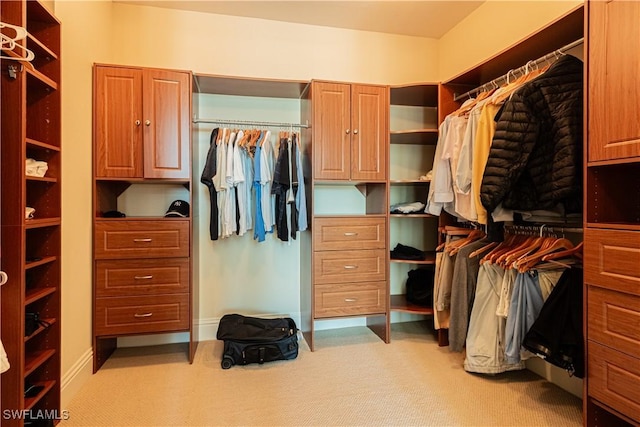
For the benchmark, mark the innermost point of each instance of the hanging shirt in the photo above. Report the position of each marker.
(279, 188)
(266, 178)
(229, 220)
(220, 182)
(301, 199)
(208, 172)
(259, 231)
(240, 184)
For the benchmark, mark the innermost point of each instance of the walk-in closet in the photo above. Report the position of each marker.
(446, 204)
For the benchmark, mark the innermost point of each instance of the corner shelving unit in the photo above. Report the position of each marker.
(413, 136)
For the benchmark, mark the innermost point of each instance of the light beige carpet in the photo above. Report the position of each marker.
(352, 379)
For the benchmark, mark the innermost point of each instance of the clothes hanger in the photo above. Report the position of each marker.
(576, 251)
(555, 244)
(476, 234)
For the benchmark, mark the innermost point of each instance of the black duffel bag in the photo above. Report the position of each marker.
(256, 340)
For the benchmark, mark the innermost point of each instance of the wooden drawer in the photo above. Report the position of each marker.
(142, 277)
(350, 299)
(614, 378)
(349, 266)
(614, 319)
(612, 259)
(142, 314)
(340, 233)
(141, 239)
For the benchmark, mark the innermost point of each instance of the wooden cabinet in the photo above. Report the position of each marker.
(142, 123)
(614, 55)
(349, 127)
(142, 260)
(349, 266)
(31, 246)
(612, 211)
(346, 150)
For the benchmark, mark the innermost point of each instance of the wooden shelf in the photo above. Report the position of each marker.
(615, 226)
(30, 402)
(42, 79)
(36, 294)
(32, 143)
(42, 222)
(145, 180)
(414, 137)
(33, 264)
(37, 46)
(41, 179)
(222, 85)
(413, 215)
(51, 321)
(409, 181)
(430, 259)
(36, 359)
(400, 303)
(417, 94)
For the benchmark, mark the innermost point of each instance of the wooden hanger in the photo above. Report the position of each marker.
(459, 244)
(576, 251)
(486, 247)
(528, 262)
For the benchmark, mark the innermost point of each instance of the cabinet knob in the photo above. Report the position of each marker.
(150, 276)
(3, 278)
(350, 267)
(138, 122)
(347, 131)
(355, 131)
(147, 122)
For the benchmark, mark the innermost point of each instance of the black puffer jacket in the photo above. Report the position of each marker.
(536, 154)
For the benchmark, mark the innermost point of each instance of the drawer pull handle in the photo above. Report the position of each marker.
(143, 277)
(143, 315)
(350, 267)
(142, 240)
(350, 299)
(350, 233)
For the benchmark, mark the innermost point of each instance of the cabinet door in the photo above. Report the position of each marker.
(614, 98)
(369, 139)
(118, 116)
(331, 131)
(167, 106)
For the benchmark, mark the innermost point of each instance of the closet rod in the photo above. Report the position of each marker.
(251, 123)
(495, 81)
(535, 229)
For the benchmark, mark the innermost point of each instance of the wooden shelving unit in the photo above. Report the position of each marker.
(413, 136)
(31, 247)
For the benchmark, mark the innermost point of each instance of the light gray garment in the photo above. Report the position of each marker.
(463, 290)
(485, 339)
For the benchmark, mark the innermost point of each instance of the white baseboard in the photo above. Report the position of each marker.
(76, 377)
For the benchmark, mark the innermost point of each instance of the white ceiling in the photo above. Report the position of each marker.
(430, 18)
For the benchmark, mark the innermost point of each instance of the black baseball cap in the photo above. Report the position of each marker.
(178, 208)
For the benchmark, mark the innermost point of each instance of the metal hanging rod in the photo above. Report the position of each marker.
(494, 82)
(540, 229)
(251, 123)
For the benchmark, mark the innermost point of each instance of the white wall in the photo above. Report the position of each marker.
(99, 31)
(493, 27)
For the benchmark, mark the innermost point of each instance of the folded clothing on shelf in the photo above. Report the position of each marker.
(29, 212)
(406, 208)
(407, 252)
(36, 168)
